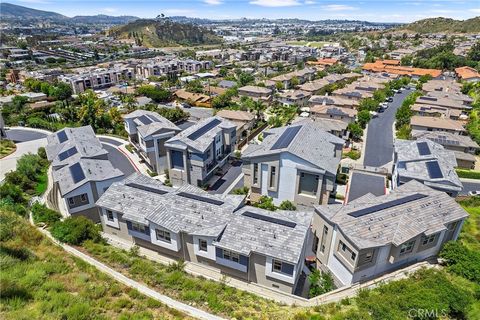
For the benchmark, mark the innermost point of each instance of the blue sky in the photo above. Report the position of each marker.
(370, 10)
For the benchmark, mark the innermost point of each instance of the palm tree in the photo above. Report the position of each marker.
(129, 101)
(258, 107)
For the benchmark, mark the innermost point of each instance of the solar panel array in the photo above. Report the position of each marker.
(428, 98)
(77, 172)
(286, 138)
(67, 154)
(433, 169)
(269, 219)
(200, 198)
(146, 188)
(145, 120)
(423, 149)
(386, 205)
(62, 136)
(443, 140)
(200, 132)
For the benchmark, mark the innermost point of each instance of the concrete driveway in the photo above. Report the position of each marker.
(228, 178)
(118, 159)
(469, 185)
(378, 149)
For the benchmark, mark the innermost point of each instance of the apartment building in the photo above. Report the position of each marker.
(81, 171)
(98, 78)
(160, 67)
(196, 153)
(296, 163)
(301, 77)
(147, 132)
(420, 123)
(373, 235)
(256, 93)
(427, 162)
(463, 147)
(253, 245)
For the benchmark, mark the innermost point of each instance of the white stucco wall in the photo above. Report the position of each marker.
(210, 253)
(85, 188)
(280, 276)
(174, 245)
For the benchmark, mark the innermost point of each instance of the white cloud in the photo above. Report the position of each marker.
(35, 1)
(110, 10)
(276, 3)
(213, 2)
(307, 2)
(475, 10)
(177, 12)
(337, 7)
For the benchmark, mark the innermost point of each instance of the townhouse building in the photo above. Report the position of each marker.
(297, 97)
(253, 245)
(160, 67)
(374, 235)
(301, 77)
(81, 171)
(421, 123)
(147, 132)
(333, 112)
(427, 162)
(196, 153)
(296, 163)
(256, 93)
(98, 79)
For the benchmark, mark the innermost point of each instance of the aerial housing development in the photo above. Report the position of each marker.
(176, 160)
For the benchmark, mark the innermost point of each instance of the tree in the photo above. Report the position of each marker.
(18, 103)
(129, 102)
(356, 132)
(194, 86)
(154, 93)
(320, 283)
(279, 85)
(223, 72)
(258, 107)
(294, 81)
(363, 117)
(265, 202)
(92, 110)
(245, 78)
(62, 92)
(275, 121)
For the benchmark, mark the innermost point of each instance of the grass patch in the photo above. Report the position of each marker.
(470, 235)
(42, 183)
(352, 154)
(7, 147)
(40, 281)
(468, 174)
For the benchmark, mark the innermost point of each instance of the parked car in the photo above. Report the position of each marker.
(390, 99)
(399, 91)
(474, 193)
(374, 114)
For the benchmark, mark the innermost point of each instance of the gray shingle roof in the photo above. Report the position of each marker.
(201, 213)
(416, 165)
(311, 143)
(93, 170)
(154, 122)
(394, 224)
(204, 140)
(83, 139)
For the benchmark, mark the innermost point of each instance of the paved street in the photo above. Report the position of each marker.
(378, 149)
(110, 141)
(469, 185)
(223, 183)
(23, 135)
(119, 160)
(363, 183)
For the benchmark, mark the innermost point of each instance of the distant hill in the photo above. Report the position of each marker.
(14, 13)
(104, 19)
(11, 11)
(447, 25)
(164, 33)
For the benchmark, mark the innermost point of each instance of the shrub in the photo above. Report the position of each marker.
(320, 283)
(265, 202)
(287, 205)
(42, 214)
(75, 230)
(352, 154)
(12, 193)
(129, 147)
(42, 153)
(241, 191)
(461, 260)
(468, 174)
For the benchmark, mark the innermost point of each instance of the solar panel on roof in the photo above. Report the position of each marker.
(423, 148)
(62, 136)
(200, 132)
(146, 188)
(200, 198)
(77, 173)
(67, 154)
(286, 138)
(387, 205)
(269, 219)
(145, 120)
(433, 169)
(155, 118)
(428, 98)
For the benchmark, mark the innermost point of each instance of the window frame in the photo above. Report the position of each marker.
(324, 239)
(200, 248)
(84, 197)
(273, 177)
(277, 266)
(407, 247)
(426, 240)
(110, 212)
(230, 255)
(163, 235)
(71, 201)
(138, 227)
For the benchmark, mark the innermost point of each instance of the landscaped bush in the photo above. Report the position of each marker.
(468, 174)
(265, 202)
(75, 230)
(287, 205)
(320, 283)
(352, 154)
(462, 260)
(241, 191)
(42, 214)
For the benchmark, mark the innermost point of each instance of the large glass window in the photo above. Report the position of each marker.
(429, 239)
(407, 247)
(308, 184)
(138, 227)
(230, 255)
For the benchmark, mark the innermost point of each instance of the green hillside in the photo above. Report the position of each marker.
(164, 33)
(440, 25)
(11, 11)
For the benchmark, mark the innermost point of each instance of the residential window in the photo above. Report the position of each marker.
(277, 266)
(347, 250)
(324, 239)
(71, 201)
(202, 245)
(429, 239)
(230, 255)
(407, 247)
(272, 177)
(308, 184)
(110, 215)
(84, 197)
(163, 235)
(315, 243)
(368, 257)
(138, 227)
(255, 173)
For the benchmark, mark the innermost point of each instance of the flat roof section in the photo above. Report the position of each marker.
(363, 183)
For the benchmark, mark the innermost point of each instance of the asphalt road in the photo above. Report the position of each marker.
(379, 145)
(111, 141)
(363, 183)
(18, 135)
(469, 186)
(223, 183)
(119, 160)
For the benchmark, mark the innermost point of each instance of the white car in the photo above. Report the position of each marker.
(474, 193)
(374, 114)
